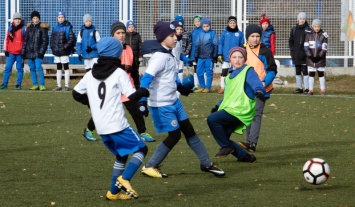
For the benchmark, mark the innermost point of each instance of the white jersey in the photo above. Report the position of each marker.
(163, 87)
(105, 100)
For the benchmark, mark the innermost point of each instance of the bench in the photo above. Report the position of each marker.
(50, 70)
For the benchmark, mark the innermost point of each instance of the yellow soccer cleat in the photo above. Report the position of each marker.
(153, 172)
(126, 185)
(118, 196)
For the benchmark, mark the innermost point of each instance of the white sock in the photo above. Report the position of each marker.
(305, 81)
(66, 78)
(322, 83)
(59, 78)
(299, 81)
(222, 81)
(195, 80)
(311, 83)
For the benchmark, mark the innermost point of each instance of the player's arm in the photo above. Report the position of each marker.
(79, 92)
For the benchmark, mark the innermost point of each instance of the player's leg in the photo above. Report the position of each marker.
(209, 75)
(88, 131)
(312, 74)
(40, 74)
(59, 73)
(32, 65)
(225, 67)
(305, 78)
(321, 80)
(298, 79)
(200, 71)
(8, 70)
(253, 130)
(65, 61)
(19, 67)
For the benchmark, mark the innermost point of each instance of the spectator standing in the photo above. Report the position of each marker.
(268, 36)
(230, 37)
(316, 47)
(14, 40)
(62, 43)
(296, 45)
(193, 37)
(134, 40)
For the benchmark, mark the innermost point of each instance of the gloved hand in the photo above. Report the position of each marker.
(214, 60)
(214, 109)
(89, 49)
(260, 95)
(80, 57)
(7, 53)
(41, 56)
(220, 59)
(184, 91)
(191, 63)
(143, 108)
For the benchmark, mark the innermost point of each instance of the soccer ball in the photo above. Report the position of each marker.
(188, 82)
(316, 171)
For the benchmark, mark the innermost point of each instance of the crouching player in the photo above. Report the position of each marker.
(102, 88)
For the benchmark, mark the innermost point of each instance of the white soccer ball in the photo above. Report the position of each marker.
(316, 171)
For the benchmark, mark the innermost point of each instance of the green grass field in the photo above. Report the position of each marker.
(45, 161)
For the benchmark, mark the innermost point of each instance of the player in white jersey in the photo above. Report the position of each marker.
(102, 88)
(168, 114)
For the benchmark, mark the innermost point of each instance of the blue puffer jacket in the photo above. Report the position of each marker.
(85, 40)
(227, 41)
(206, 45)
(265, 36)
(193, 37)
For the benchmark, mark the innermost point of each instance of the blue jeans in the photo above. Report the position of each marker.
(8, 69)
(205, 66)
(35, 66)
(222, 125)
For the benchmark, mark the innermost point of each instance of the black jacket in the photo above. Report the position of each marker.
(316, 46)
(296, 43)
(62, 44)
(36, 40)
(134, 40)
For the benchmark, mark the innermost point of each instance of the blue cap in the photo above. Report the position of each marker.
(129, 23)
(109, 47)
(205, 21)
(61, 13)
(179, 18)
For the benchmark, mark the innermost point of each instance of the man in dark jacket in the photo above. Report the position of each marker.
(296, 41)
(34, 48)
(134, 40)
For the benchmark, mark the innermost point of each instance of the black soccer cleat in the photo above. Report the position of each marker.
(298, 90)
(250, 147)
(248, 158)
(213, 169)
(225, 151)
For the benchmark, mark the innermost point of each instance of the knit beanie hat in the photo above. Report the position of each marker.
(87, 17)
(109, 47)
(162, 30)
(35, 14)
(238, 49)
(316, 22)
(264, 19)
(301, 15)
(177, 24)
(61, 13)
(179, 18)
(17, 16)
(253, 28)
(205, 21)
(232, 18)
(116, 26)
(197, 17)
(129, 23)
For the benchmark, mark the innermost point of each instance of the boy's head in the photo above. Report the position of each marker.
(109, 47)
(131, 26)
(232, 22)
(197, 20)
(316, 25)
(264, 21)
(206, 24)
(179, 18)
(237, 57)
(118, 31)
(253, 34)
(178, 27)
(165, 34)
(87, 19)
(17, 18)
(60, 17)
(301, 18)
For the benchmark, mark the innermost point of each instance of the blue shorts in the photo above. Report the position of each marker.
(124, 142)
(167, 118)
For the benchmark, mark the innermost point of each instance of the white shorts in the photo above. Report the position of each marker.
(226, 65)
(90, 62)
(312, 69)
(61, 59)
